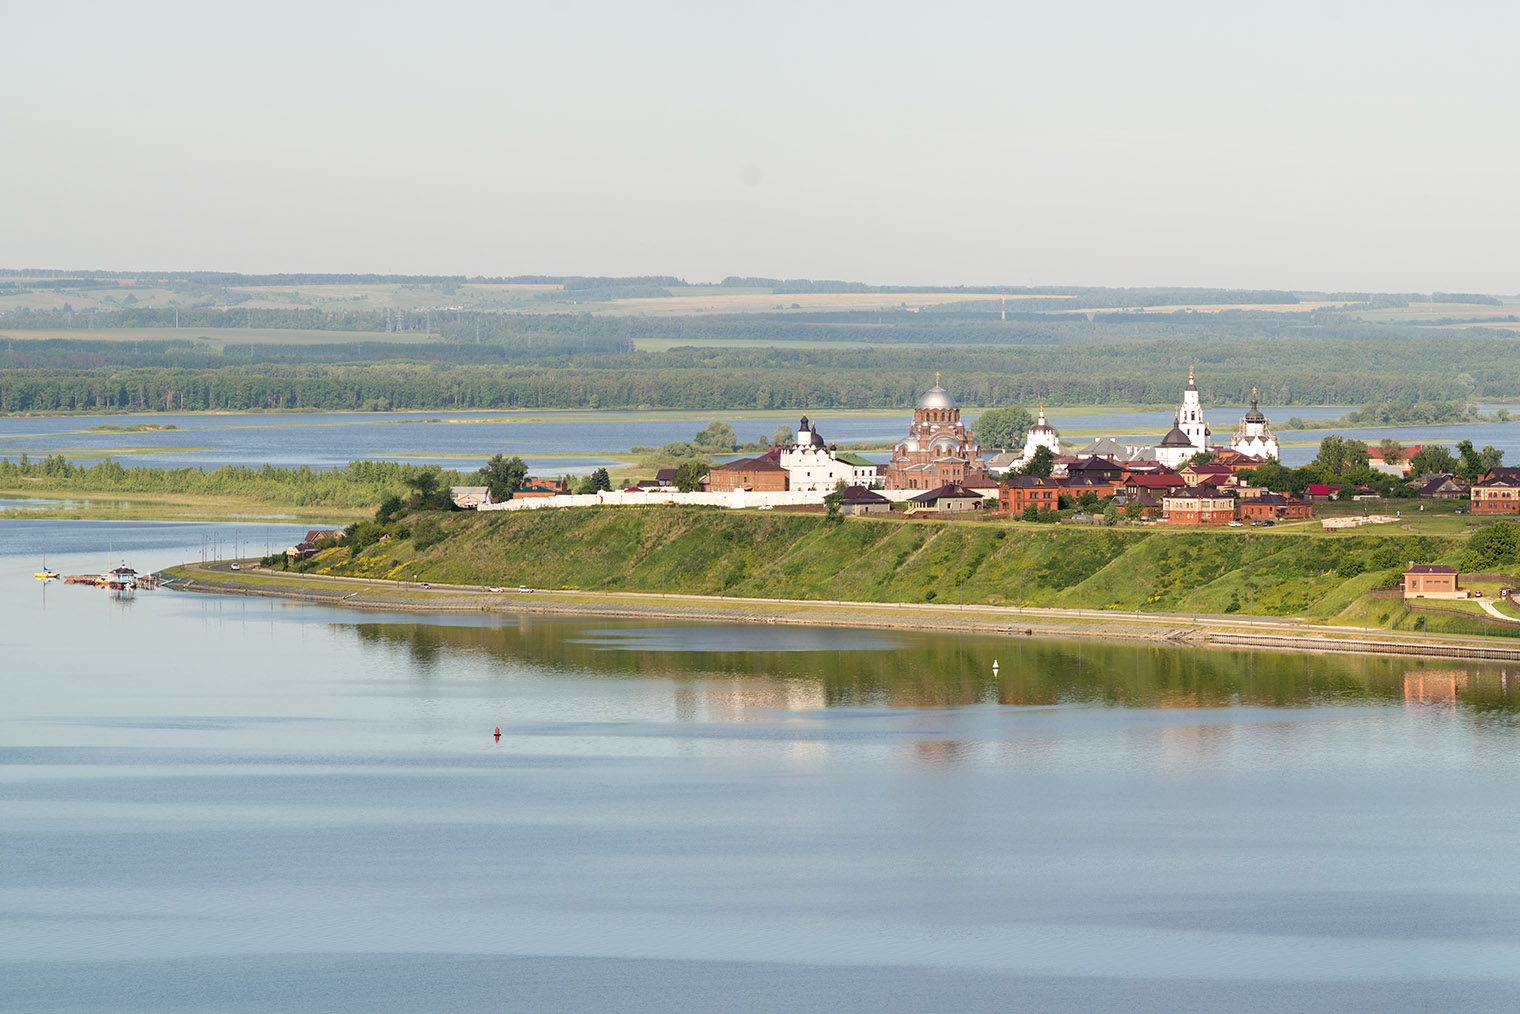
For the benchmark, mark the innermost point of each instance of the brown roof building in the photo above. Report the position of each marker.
(762, 474)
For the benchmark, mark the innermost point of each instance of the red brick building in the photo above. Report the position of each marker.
(1197, 509)
(1020, 491)
(752, 474)
(1498, 492)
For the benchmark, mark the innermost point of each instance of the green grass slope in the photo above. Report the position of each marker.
(779, 555)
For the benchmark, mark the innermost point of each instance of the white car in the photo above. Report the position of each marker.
(236, 567)
(524, 589)
(1237, 524)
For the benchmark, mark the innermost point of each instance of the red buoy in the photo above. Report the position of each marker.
(498, 734)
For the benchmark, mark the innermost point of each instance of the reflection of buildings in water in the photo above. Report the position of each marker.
(1436, 687)
(743, 700)
(940, 751)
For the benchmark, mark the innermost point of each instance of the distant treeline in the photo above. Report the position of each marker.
(1289, 372)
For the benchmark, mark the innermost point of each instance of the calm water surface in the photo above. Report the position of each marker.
(235, 804)
(559, 442)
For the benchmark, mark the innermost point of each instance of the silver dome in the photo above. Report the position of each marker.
(936, 397)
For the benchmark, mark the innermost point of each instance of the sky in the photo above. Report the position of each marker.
(1325, 146)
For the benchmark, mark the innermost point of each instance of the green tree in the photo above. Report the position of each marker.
(1491, 457)
(1201, 458)
(1040, 463)
(600, 480)
(1338, 454)
(1111, 515)
(503, 476)
(1432, 459)
(718, 436)
(1471, 465)
(831, 505)
(782, 437)
(1030, 513)
(1133, 509)
(689, 476)
(1393, 451)
(1003, 427)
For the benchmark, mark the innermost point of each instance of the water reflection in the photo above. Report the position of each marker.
(747, 670)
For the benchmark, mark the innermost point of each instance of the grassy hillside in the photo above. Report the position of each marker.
(777, 555)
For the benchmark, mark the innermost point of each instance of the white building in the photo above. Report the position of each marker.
(1041, 434)
(1190, 417)
(1255, 436)
(811, 465)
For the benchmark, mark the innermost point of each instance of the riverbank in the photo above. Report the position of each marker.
(1256, 633)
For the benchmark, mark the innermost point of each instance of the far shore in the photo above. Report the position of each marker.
(1181, 629)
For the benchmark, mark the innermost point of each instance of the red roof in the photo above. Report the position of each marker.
(1320, 489)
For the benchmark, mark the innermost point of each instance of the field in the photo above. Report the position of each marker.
(221, 338)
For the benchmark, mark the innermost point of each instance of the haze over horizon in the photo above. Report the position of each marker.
(1324, 146)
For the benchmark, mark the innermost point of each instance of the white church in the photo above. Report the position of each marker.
(1190, 433)
(813, 466)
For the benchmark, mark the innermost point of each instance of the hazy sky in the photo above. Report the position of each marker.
(1313, 145)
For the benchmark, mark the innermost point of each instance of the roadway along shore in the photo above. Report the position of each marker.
(1268, 632)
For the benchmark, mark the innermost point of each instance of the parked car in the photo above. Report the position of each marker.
(1237, 524)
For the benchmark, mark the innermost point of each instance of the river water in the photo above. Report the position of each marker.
(555, 443)
(239, 804)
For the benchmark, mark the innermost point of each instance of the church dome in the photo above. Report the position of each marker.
(1255, 415)
(911, 444)
(1176, 438)
(936, 397)
(944, 443)
(1041, 426)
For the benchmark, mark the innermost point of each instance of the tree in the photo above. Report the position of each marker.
(1276, 477)
(1338, 454)
(1201, 458)
(1432, 459)
(1111, 515)
(782, 437)
(1491, 457)
(600, 480)
(718, 435)
(689, 476)
(503, 476)
(1133, 509)
(1392, 450)
(1003, 427)
(1041, 463)
(831, 505)
(1030, 513)
(1471, 466)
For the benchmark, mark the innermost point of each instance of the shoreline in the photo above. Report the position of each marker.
(1179, 630)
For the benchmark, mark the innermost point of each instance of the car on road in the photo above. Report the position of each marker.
(524, 589)
(236, 567)
(1236, 524)
(426, 585)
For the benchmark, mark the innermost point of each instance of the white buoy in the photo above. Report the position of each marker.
(994, 665)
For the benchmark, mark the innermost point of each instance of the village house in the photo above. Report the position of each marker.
(1432, 582)
(1318, 492)
(948, 499)
(860, 500)
(1444, 487)
(1020, 491)
(1195, 474)
(1192, 508)
(1273, 507)
(470, 497)
(1497, 492)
